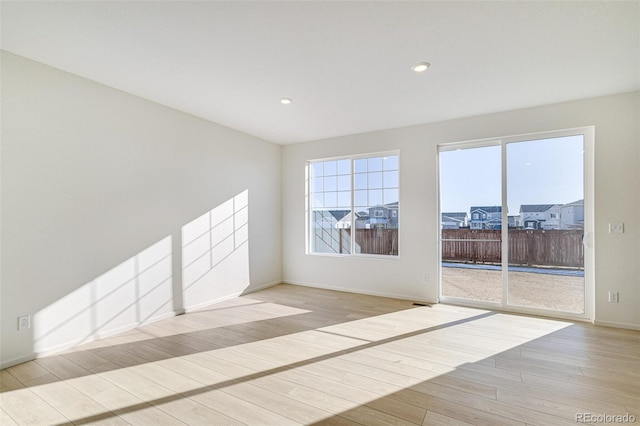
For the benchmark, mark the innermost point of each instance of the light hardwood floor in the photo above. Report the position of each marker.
(294, 355)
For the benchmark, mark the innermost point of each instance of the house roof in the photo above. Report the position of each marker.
(488, 209)
(575, 203)
(535, 208)
(336, 214)
(455, 216)
(348, 216)
(339, 214)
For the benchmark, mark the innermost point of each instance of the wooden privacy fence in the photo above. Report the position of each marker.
(377, 241)
(369, 241)
(526, 247)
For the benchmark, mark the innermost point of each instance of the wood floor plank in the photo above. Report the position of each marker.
(384, 404)
(241, 410)
(70, 402)
(466, 414)
(346, 408)
(5, 419)
(287, 407)
(435, 419)
(123, 404)
(27, 371)
(9, 382)
(27, 408)
(543, 392)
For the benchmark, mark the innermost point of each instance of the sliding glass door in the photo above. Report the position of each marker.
(545, 192)
(514, 218)
(471, 222)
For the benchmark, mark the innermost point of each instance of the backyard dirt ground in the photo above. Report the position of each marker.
(558, 292)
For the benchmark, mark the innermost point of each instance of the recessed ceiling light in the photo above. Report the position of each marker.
(285, 101)
(421, 66)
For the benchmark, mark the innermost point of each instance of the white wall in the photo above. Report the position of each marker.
(98, 187)
(617, 199)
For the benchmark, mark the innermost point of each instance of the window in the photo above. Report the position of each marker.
(353, 205)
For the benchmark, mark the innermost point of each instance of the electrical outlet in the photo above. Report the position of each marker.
(616, 228)
(613, 297)
(24, 322)
(425, 278)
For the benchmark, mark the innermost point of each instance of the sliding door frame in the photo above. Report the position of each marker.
(588, 134)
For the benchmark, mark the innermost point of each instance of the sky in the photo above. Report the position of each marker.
(546, 171)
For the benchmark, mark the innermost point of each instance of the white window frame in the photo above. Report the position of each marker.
(352, 225)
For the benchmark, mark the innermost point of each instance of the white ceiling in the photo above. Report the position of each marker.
(347, 66)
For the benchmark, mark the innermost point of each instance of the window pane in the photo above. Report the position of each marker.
(317, 200)
(326, 236)
(344, 183)
(317, 184)
(390, 196)
(470, 183)
(330, 168)
(360, 198)
(390, 162)
(375, 197)
(375, 164)
(344, 199)
(377, 228)
(344, 167)
(330, 183)
(331, 199)
(391, 179)
(360, 165)
(375, 180)
(360, 181)
(317, 169)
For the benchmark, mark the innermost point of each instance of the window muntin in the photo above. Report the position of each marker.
(354, 203)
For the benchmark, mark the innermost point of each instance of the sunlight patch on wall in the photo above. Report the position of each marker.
(135, 292)
(215, 253)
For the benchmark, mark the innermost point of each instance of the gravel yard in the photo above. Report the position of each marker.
(558, 292)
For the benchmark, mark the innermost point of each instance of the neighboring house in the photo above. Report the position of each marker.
(572, 215)
(380, 216)
(486, 217)
(513, 221)
(540, 216)
(454, 220)
(361, 221)
(383, 216)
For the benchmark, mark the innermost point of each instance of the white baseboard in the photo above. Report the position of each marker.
(16, 361)
(358, 291)
(261, 287)
(192, 308)
(615, 324)
(248, 290)
(93, 337)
